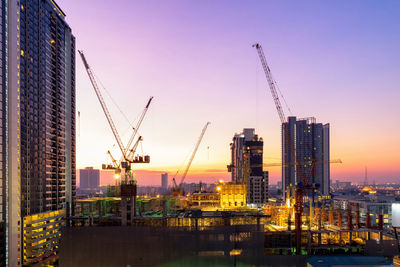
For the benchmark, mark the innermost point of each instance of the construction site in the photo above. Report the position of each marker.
(225, 224)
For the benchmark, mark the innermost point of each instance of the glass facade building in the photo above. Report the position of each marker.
(304, 140)
(3, 132)
(37, 109)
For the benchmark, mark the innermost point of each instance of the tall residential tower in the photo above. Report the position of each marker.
(305, 141)
(38, 129)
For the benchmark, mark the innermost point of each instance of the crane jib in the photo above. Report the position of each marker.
(102, 103)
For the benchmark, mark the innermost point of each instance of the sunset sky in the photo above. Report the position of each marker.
(338, 61)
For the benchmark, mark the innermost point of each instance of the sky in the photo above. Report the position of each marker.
(337, 61)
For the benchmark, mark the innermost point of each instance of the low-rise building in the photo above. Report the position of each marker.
(205, 199)
(232, 195)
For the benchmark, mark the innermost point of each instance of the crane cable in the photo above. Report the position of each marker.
(112, 99)
(283, 98)
(115, 103)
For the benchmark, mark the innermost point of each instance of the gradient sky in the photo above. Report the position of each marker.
(338, 61)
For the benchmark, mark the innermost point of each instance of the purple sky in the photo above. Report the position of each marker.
(338, 61)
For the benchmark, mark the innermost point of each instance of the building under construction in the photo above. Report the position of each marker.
(235, 234)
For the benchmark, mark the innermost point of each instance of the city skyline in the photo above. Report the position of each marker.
(343, 60)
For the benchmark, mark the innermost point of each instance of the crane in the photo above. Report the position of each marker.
(132, 151)
(135, 130)
(271, 82)
(116, 165)
(102, 103)
(304, 179)
(128, 158)
(124, 150)
(177, 189)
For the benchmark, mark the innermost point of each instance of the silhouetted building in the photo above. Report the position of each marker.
(164, 180)
(305, 141)
(37, 111)
(89, 178)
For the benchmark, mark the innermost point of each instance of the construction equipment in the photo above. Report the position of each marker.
(177, 189)
(271, 82)
(131, 153)
(102, 103)
(135, 130)
(304, 179)
(115, 165)
(126, 160)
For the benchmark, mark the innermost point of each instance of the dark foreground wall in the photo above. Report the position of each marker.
(146, 246)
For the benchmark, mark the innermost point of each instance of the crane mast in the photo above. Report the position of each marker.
(102, 103)
(271, 82)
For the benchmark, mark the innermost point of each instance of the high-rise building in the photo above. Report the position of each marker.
(305, 141)
(37, 111)
(247, 146)
(164, 181)
(89, 178)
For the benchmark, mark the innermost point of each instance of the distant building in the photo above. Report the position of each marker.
(89, 178)
(279, 185)
(191, 188)
(164, 180)
(304, 140)
(248, 146)
(342, 185)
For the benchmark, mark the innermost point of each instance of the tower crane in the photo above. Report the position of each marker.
(132, 151)
(128, 158)
(102, 103)
(116, 165)
(177, 189)
(124, 162)
(135, 130)
(271, 82)
(304, 179)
